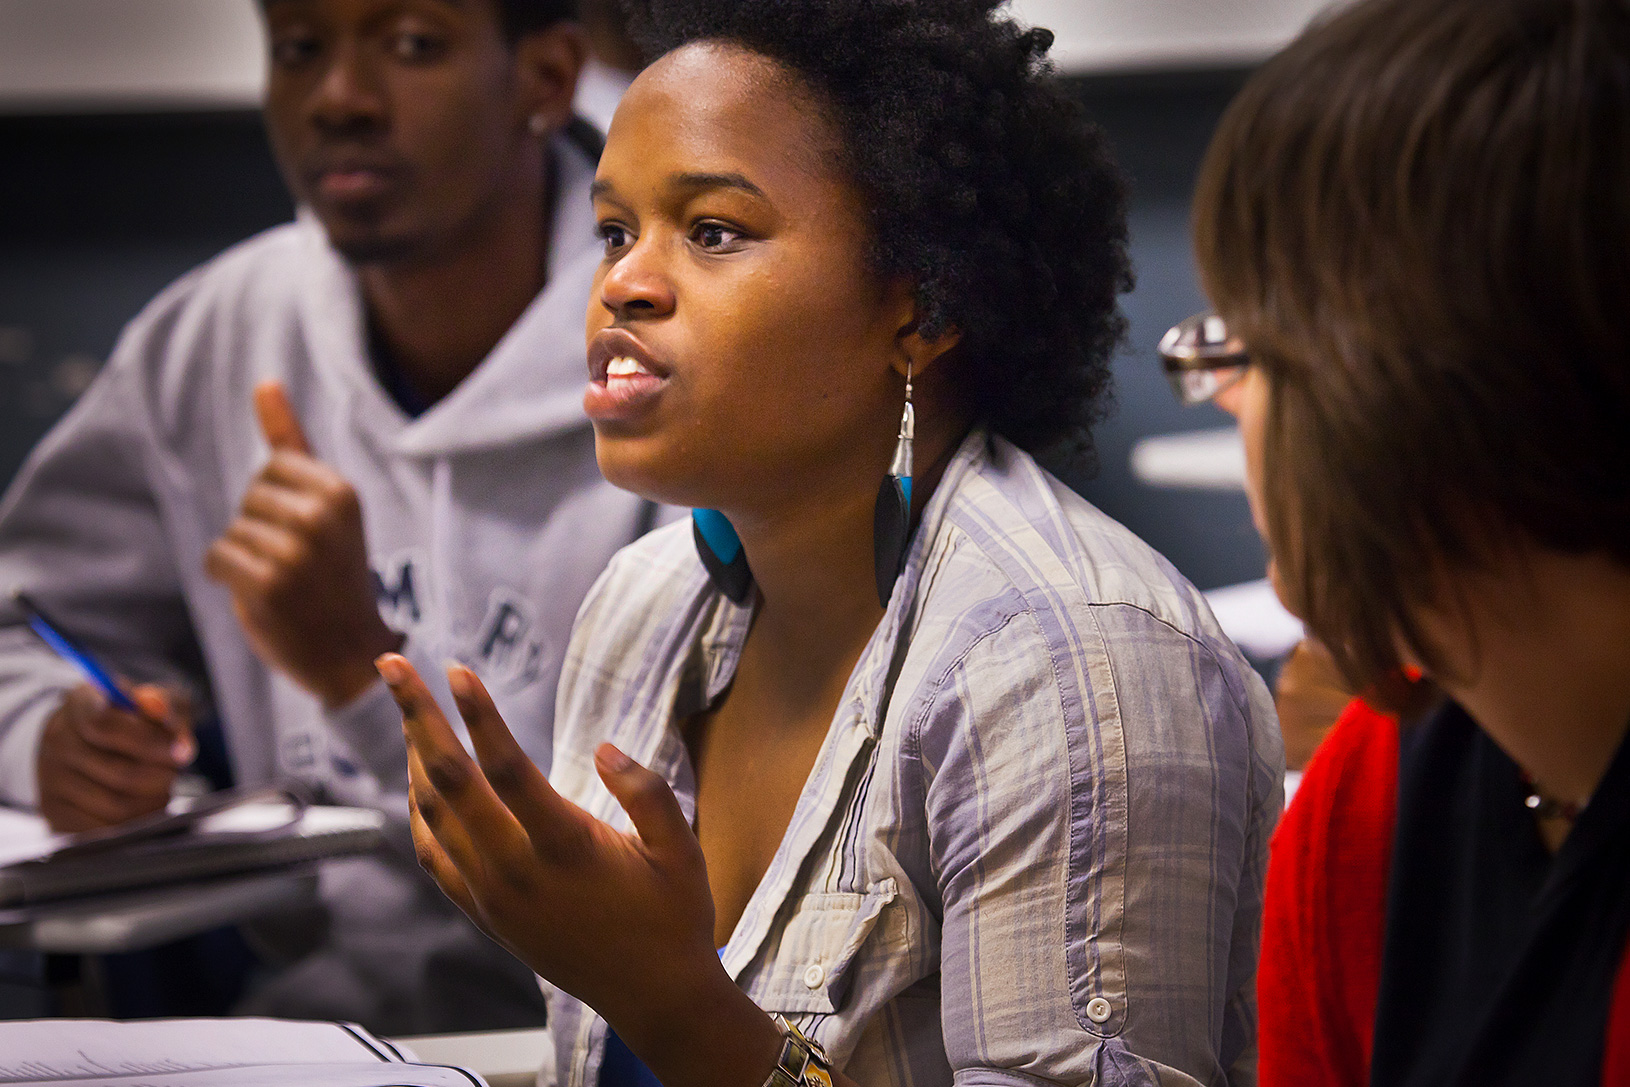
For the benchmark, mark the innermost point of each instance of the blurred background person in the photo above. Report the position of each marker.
(357, 432)
(1412, 226)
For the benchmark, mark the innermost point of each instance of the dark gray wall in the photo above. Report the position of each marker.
(97, 214)
(1159, 126)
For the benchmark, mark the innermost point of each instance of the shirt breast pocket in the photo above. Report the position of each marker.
(819, 949)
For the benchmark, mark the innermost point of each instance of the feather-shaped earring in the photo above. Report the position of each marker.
(891, 517)
(721, 552)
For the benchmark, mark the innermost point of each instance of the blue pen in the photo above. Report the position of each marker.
(73, 653)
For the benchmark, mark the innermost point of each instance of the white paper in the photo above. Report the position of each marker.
(253, 818)
(285, 1075)
(24, 837)
(94, 1050)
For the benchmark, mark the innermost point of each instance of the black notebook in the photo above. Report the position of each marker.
(222, 834)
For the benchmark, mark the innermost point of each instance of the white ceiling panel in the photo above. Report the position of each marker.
(96, 55)
(93, 55)
(1154, 35)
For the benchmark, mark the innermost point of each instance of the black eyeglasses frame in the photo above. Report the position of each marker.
(1201, 357)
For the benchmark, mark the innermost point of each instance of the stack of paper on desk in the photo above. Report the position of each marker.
(220, 836)
(210, 1053)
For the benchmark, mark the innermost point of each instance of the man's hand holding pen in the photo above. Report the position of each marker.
(295, 560)
(100, 765)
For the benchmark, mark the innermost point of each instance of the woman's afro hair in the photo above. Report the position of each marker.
(988, 188)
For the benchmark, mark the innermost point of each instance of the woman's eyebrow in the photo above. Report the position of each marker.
(690, 182)
(700, 181)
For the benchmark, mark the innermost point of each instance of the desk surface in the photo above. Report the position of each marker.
(504, 1058)
(135, 920)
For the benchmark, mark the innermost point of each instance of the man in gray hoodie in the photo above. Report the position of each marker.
(357, 432)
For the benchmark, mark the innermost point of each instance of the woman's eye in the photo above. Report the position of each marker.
(711, 235)
(614, 236)
(294, 50)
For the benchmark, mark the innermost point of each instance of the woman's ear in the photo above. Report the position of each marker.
(547, 63)
(914, 349)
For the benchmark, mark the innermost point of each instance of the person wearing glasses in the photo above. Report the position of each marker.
(900, 751)
(1412, 225)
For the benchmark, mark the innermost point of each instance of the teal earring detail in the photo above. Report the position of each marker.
(721, 552)
(726, 560)
(891, 517)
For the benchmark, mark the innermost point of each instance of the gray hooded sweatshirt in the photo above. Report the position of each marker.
(486, 519)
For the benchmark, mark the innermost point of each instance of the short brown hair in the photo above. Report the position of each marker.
(1418, 218)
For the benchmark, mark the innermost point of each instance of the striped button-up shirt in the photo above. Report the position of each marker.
(1031, 849)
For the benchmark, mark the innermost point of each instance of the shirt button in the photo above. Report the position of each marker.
(814, 975)
(1098, 1010)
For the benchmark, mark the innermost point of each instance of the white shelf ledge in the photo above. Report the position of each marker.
(1254, 618)
(1198, 460)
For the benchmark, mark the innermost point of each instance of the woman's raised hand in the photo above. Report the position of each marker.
(624, 922)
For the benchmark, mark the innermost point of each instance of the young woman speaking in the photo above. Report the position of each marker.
(899, 749)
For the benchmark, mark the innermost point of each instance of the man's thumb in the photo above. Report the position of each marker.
(277, 419)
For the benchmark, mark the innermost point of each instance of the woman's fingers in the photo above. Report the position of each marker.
(557, 828)
(513, 775)
(434, 859)
(449, 832)
(172, 709)
(449, 778)
(650, 804)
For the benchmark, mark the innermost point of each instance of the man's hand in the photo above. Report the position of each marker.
(296, 562)
(99, 765)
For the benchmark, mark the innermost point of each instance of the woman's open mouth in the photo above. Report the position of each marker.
(624, 381)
